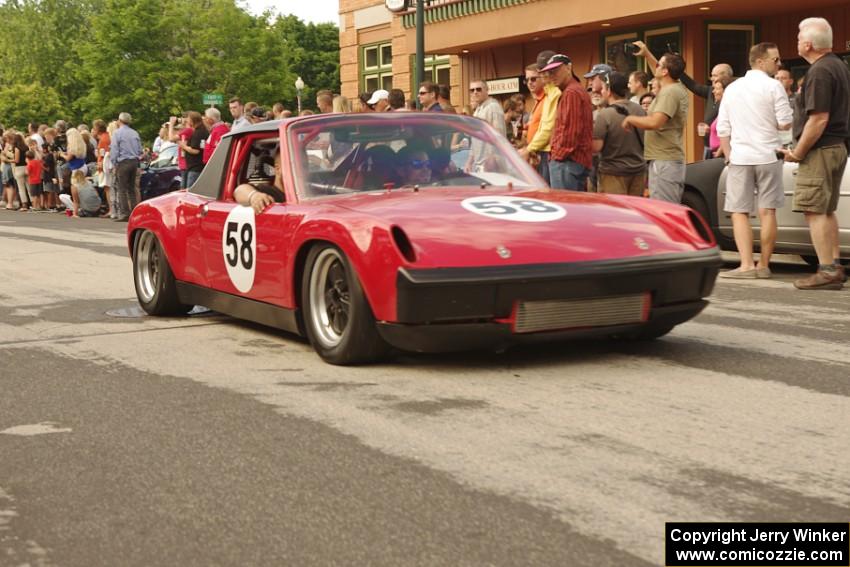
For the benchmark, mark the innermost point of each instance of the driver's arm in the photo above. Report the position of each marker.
(257, 198)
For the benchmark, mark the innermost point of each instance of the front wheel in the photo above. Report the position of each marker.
(156, 287)
(337, 316)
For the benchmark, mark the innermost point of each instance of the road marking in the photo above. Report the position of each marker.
(35, 429)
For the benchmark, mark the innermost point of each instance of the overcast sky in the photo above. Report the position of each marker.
(316, 11)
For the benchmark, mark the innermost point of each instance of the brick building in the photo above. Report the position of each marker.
(495, 39)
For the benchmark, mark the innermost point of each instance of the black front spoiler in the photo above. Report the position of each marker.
(461, 308)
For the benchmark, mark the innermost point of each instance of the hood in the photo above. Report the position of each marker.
(485, 227)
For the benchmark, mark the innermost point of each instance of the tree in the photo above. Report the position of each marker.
(22, 104)
(155, 58)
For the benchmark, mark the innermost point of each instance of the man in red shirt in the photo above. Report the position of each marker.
(571, 157)
(217, 128)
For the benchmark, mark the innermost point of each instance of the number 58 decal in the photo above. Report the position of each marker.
(521, 209)
(239, 247)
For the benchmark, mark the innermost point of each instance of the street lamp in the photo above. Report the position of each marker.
(299, 86)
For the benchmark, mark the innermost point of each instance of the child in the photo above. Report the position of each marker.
(84, 198)
(50, 189)
(35, 168)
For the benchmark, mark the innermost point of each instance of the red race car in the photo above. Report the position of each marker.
(420, 231)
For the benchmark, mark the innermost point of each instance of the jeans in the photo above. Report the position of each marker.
(191, 177)
(543, 166)
(568, 174)
(125, 186)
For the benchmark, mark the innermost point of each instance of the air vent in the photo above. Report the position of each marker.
(403, 244)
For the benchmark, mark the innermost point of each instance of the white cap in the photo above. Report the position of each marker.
(378, 95)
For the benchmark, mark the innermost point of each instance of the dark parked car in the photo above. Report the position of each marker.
(705, 192)
(161, 175)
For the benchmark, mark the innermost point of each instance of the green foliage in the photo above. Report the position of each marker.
(22, 104)
(87, 59)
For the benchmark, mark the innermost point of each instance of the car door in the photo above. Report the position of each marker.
(245, 252)
(791, 227)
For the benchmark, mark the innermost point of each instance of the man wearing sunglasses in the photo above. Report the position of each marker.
(572, 156)
(664, 147)
(415, 166)
(546, 96)
(753, 111)
(489, 110)
(428, 93)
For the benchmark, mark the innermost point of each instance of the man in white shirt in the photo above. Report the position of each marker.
(753, 111)
(489, 110)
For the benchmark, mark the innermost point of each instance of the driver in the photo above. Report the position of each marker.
(261, 196)
(414, 166)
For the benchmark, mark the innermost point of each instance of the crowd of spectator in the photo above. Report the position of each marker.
(614, 133)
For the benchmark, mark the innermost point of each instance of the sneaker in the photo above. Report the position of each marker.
(763, 273)
(821, 280)
(739, 274)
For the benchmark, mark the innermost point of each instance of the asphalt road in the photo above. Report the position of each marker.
(205, 441)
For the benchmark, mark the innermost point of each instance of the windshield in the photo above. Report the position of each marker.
(350, 153)
(166, 157)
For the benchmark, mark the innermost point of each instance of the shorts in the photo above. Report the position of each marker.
(49, 187)
(819, 180)
(34, 189)
(744, 182)
(622, 184)
(666, 180)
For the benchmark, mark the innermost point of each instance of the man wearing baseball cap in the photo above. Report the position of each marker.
(380, 99)
(597, 76)
(571, 155)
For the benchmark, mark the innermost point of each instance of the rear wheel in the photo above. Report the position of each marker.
(156, 288)
(337, 316)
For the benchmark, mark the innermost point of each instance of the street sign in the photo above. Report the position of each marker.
(213, 98)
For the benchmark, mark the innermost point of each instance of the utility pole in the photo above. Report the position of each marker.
(420, 48)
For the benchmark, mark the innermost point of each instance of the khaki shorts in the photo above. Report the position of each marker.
(621, 184)
(819, 180)
(743, 182)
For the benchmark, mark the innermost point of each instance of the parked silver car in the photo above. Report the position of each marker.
(705, 192)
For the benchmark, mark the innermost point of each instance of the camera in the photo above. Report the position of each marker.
(630, 48)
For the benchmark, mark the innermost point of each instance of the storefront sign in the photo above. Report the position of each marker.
(503, 86)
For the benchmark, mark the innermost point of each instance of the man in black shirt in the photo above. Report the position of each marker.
(822, 134)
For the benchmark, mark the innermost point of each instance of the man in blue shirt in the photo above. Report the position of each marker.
(124, 152)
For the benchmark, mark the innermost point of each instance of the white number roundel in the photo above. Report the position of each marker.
(239, 247)
(521, 209)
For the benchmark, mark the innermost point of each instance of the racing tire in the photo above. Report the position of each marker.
(337, 317)
(156, 288)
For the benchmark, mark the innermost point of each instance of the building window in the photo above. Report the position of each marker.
(659, 41)
(376, 67)
(730, 43)
(437, 70)
(618, 53)
(663, 40)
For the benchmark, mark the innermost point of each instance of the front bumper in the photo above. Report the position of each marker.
(449, 309)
